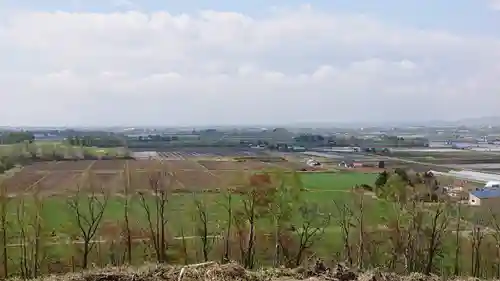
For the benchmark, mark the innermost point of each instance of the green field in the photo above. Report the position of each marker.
(336, 181)
(58, 217)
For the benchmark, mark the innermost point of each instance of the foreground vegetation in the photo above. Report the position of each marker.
(269, 219)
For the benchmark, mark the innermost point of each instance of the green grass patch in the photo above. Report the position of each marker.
(336, 181)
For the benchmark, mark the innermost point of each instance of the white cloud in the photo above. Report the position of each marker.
(224, 67)
(495, 4)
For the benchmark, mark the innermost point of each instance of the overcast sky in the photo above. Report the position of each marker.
(194, 62)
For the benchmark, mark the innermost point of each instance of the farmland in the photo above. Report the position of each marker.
(51, 178)
(52, 191)
(55, 181)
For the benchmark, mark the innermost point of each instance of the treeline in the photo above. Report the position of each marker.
(315, 140)
(105, 140)
(26, 153)
(16, 137)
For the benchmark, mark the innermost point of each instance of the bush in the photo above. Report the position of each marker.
(367, 187)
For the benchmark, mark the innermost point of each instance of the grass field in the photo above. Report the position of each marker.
(336, 181)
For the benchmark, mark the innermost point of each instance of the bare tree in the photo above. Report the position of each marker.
(344, 218)
(312, 226)
(496, 235)
(286, 196)
(227, 204)
(88, 206)
(4, 201)
(126, 212)
(249, 218)
(436, 232)
(29, 225)
(203, 230)
(360, 221)
(412, 237)
(156, 215)
(458, 245)
(184, 245)
(477, 238)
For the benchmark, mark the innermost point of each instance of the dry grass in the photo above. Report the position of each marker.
(233, 271)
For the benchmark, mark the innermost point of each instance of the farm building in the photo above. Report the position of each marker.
(313, 163)
(484, 197)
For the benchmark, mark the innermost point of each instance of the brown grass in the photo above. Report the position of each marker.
(232, 271)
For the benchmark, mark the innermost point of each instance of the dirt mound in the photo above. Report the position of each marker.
(232, 271)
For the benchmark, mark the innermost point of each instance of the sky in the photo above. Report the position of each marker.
(222, 62)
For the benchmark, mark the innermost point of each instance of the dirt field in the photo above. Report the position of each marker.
(40, 166)
(182, 175)
(142, 164)
(235, 165)
(290, 165)
(56, 181)
(21, 182)
(256, 165)
(222, 165)
(108, 165)
(175, 165)
(79, 165)
(193, 180)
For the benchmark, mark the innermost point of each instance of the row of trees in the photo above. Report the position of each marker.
(26, 153)
(266, 221)
(105, 140)
(16, 137)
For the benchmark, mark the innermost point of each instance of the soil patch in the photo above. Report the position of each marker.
(231, 178)
(256, 165)
(222, 165)
(109, 165)
(79, 165)
(59, 182)
(175, 165)
(291, 165)
(146, 180)
(193, 180)
(21, 181)
(143, 164)
(40, 166)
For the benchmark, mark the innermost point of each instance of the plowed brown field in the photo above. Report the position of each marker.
(143, 164)
(109, 165)
(222, 165)
(178, 175)
(21, 182)
(291, 165)
(193, 180)
(40, 166)
(59, 182)
(79, 165)
(176, 165)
